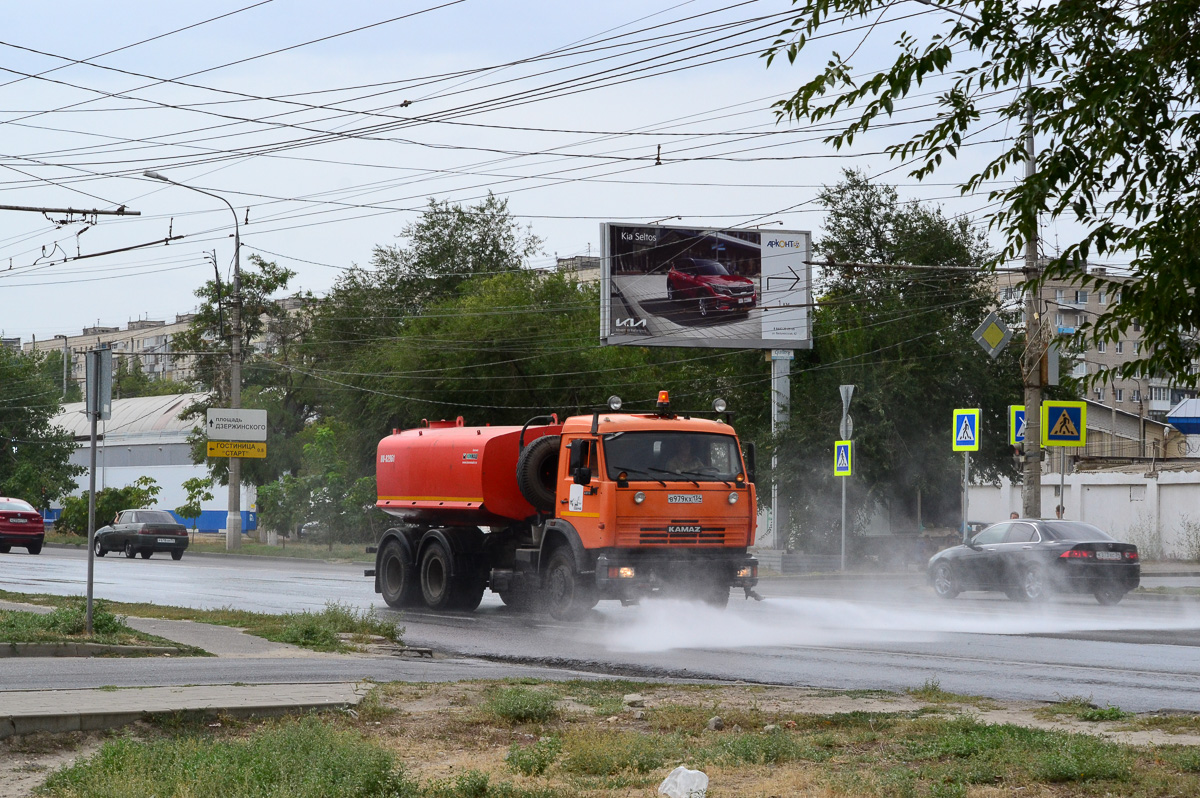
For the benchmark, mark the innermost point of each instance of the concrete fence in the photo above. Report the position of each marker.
(1157, 511)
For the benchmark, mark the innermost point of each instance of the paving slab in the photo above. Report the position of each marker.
(24, 712)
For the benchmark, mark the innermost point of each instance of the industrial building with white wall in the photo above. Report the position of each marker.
(146, 438)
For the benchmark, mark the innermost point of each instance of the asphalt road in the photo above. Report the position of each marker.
(835, 633)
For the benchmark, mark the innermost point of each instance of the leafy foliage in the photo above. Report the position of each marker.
(109, 502)
(1115, 101)
(34, 455)
(197, 489)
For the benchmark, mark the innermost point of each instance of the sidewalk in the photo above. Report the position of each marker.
(23, 712)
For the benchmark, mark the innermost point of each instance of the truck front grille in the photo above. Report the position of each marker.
(682, 532)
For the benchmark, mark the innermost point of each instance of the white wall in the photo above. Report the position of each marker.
(1160, 513)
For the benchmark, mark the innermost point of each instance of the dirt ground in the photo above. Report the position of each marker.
(439, 731)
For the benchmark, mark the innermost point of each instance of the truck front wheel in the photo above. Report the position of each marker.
(436, 586)
(398, 576)
(568, 595)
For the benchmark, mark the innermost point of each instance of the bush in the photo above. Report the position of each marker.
(521, 705)
(534, 760)
(109, 502)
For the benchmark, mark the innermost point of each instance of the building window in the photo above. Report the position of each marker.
(1137, 395)
(1101, 297)
(1101, 347)
(1137, 347)
(1010, 293)
(1060, 295)
(1117, 297)
(1081, 297)
(1137, 326)
(1058, 319)
(1119, 394)
(1120, 347)
(1099, 394)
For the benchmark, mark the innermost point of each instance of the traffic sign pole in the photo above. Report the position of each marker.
(847, 392)
(966, 492)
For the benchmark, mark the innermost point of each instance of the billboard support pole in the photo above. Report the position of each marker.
(781, 392)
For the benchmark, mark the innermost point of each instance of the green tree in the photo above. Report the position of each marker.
(1115, 101)
(109, 502)
(52, 370)
(197, 489)
(903, 338)
(130, 380)
(34, 454)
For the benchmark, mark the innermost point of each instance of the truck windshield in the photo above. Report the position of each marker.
(672, 456)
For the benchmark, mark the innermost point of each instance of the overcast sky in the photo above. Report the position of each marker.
(330, 125)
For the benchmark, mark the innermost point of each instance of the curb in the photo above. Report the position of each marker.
(81, 650)
(113, 715)
(259, 557)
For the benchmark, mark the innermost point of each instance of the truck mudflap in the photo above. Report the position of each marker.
(630, 574)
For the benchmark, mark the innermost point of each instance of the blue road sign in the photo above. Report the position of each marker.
(966, 430)
(843, 458)
(1016, 424)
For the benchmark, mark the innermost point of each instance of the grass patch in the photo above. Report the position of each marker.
(67, 623)
(434, 741)
(521, 704)
(1082, 708)
(932, 693)
(1171, 724)
(319, 631)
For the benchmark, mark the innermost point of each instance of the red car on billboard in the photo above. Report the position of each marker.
(710, 285)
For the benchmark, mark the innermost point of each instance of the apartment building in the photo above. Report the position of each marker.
(1066, 307)
(148, 340)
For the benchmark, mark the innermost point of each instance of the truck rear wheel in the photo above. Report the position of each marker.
(468, 592)
(568, 594)
(537, 470)
(436, 586)
(397, 576)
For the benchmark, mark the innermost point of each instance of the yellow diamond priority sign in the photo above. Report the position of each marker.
(1064, 423)
(993, 335)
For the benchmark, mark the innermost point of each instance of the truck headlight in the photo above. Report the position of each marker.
(621, 572)
(639, 497)
(733, 497)
(746, 572)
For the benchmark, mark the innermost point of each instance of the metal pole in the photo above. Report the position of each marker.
(781, 391)
(93, 409)
(1031, 487)
(966, 502)
(66, 366)
(1062, 480)
(233, 521)
(843, 523)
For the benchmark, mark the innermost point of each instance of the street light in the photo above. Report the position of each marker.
(233, 523)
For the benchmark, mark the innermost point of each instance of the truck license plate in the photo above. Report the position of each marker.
(685, 498)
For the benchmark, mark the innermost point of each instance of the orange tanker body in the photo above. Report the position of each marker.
(607, 506)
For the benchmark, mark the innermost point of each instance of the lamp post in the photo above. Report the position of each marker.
(233, 523)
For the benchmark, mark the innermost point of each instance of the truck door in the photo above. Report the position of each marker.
(583, 481)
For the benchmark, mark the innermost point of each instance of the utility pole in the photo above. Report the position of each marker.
(233, 521)
(1031, 367)
(98, 387)
(66, 365)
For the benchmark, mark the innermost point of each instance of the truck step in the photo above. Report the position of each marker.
(372, 549)
(369, 572)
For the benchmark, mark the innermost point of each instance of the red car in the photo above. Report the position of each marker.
(711, 285)
(20, 525)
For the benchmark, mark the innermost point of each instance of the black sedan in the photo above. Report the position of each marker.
(142, 532)
(1030, 559)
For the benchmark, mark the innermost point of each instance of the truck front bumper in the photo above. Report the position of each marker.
(629, 574)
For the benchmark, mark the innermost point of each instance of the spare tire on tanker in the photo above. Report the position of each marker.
(537, 471)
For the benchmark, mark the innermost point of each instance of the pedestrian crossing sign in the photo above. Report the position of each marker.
(1064, 423)
(843, 458)
(1016, 424)
(966, 430)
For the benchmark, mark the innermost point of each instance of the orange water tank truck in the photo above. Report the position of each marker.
(560, 515)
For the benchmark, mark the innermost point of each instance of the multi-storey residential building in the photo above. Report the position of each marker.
(1066, 306)
(146, 339)
(584, 268)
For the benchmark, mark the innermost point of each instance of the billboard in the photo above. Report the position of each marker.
(704, 287)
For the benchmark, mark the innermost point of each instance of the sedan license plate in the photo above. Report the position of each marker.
(18, 520)
(1108, 555)
(744, 300)
(166, 540)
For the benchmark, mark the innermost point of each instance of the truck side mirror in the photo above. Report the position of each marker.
(751, 458)
(576, 455)
(583, 475)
